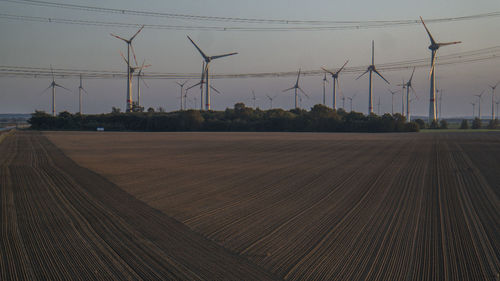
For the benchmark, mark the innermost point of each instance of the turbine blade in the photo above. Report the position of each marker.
(298, 76)
(326, 70)
(198, 48)
(126, 41)
(52, 71)
(342, 67)
(85, 91)
(43, 92)
(433, 64)
(289, 89)
(449, 43)
(57, 85)
(428, 32)
(144, 82)
(123, 57)
(362, 74)
(381, 76)
(211, 87)
(411, 77)
(132, 38)
(302, 91)
(373, 52)
(221, 56)
(193, 86)
(133, 53)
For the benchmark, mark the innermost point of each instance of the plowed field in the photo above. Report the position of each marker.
(291, 206)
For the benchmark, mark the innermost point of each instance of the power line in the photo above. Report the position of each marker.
(486, 54)
(336, 24)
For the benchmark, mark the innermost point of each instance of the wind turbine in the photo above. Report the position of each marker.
(295, 87)
(271, 100)
(53, 85)
(182, 92)
(434, 48)
(408, 87)
(129, 78)
(335, 78)
(139, 82)
(131, 71)
(493, 100)
(473, 109)
(343, 102)
(372, 69)
(208, 59)
(253, 98)
(350, 99)
(324, 89)
(80, 89)
(392, 100)
(403, 97)
(200, 84)
(480, 96)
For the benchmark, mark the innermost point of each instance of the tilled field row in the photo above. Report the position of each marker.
(62, 222)
(320, 206)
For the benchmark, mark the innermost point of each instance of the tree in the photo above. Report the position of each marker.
(493, 124)
(115, 110)
(434, 125)
(443, 124)
(151, 110)
(420, 122)
(464, 125)
(476, 123)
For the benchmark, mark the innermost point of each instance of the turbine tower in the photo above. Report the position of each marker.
(403, 97)
(80, 89)
(350, 100)
(295, 87)
(131, 71)
(335, 78)
(372, 69)
(408, 87)
(324, 89)
(480, 97)
(53, 85)
(182, 92)
(202, 81)
(129, 74)
(473, 109)
(434, 48)
(493, 100)
(208, 59)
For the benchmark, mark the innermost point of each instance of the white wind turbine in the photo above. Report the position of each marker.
(270, 100)
(181, 85)
(372, 69)
(208, 59)
(403, 97)
(324, 89)
(392, 99)
(350, 100)
(131, 71)
(493, 100)
(80, 89)
(480, 97)
(336, 83)
(473, 109)
(434, 48)
(296, 87)
(53, 85)
(408, 88)
(200, 84)
(129, 74)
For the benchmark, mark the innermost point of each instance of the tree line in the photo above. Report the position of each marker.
(238, 119)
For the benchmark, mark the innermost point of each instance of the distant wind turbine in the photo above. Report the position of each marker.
(182, 92)
(80, 89)
(403, 97)
(131, 71)
(350, 100)
(295, 87)
(473, 109)
(324, 89)
(434, 48)
(480, 97)
(53, 85)
(408, 88)
(336, 83)
(493, 100)
(208, 59)
(392, 100)
(372, 69)
(129, 78)
(139, 79)
(270, 100)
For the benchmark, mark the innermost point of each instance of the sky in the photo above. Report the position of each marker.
(35, 44)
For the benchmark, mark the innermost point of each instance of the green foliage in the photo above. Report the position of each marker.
(464, 125)
(420, 122)
(476, 123)
(240, 118)
(434, 125)
(493, 124)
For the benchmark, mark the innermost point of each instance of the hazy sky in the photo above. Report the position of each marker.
(91, 47)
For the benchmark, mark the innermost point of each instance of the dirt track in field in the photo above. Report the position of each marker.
(59, 221)
(320, 206)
